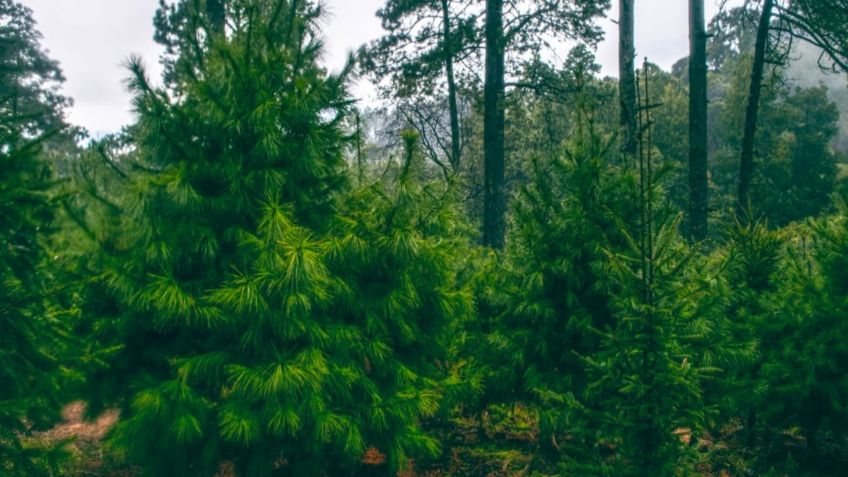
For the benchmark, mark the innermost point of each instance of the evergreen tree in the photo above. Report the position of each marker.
(800, 176)
(627, 75)
(804, 352)
(33, 340)
(752, 261)
(552, 294)
(643, 396)
(424, 39)
(813, 166)
(605, 318)
(698, 189)
(644, 402)
(31, 79)
(32, 337)
(518, 26)
(245, 305)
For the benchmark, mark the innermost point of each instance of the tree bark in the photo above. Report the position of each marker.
(456, 146)
(494, 92)
(698, 191)
(627, 77)
(746, 163)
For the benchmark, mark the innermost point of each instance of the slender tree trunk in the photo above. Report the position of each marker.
(746, 163)
(217, 14)
(627, 77)
(360, 160)
(456, 146)
(494, 91)
(698, 198)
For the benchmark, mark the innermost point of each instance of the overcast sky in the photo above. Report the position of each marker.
(92, 40)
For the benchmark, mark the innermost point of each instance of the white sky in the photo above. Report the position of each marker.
(92, 40)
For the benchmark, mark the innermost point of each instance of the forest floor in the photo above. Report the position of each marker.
(501, 443)
(85, 442)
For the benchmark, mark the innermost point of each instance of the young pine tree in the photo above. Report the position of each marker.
(804, 352)
(642, 398)
(752, 258)
(244, 305)
(552, 291)
(603, 322)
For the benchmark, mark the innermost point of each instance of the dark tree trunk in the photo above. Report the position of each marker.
(217, 14)
(698, 198)
(456, 146)
(627, 77)
(494, 196)
(746, 163)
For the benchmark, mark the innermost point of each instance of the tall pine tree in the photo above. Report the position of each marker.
(32, 342)
(245, 305)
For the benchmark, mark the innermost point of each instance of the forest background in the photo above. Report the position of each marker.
(505, 263)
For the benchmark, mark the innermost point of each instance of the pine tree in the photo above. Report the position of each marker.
(803, 348)
(245, 304)
(606, 317)
(32, 340)
(813, 165)
(552, 291)
(698, 184)
(423, 39)
(749, 264)
(31, 79)
(644, 395)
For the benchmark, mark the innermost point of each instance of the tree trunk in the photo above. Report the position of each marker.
(360, 160)
(217, 14)
(456, 146)
(627, 78)
(698, 198)
(494, 196)
(746, 163)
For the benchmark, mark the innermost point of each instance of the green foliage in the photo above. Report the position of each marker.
(803, 345)
(244, 303)
(552, 102)
(646, 375)
(799, 173)
(414, 50)
(732, 35)
(31, 79)
(785, 297)
(602, 318)
(252, 304)
(32, 335)
(813, 165)
(552, 292)
(751, 262)
(796, 166)
(33, 339)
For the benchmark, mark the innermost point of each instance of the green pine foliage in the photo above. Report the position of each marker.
(264, 282)
(245, 304)
(643, 397)
(552, 292)
(803, 348)
(645, 400)
(750, 262)
(33, 342)
(32, 337)
(607, 324)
